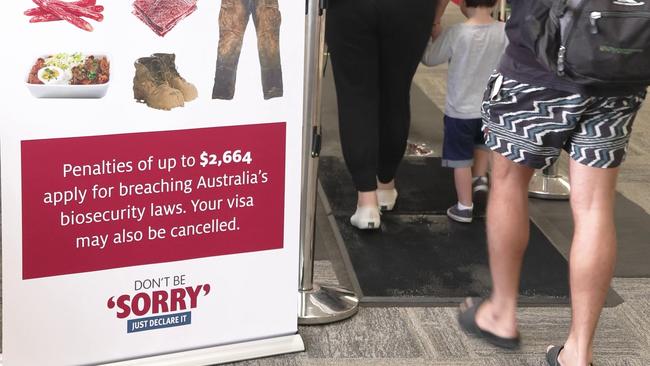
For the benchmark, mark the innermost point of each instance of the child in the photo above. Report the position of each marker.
(473, 50)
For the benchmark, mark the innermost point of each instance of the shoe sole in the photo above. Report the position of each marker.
(459, 218)
(479, 189)
(387, 207)
(368, 226)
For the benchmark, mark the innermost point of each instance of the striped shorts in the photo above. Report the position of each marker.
(530, 125)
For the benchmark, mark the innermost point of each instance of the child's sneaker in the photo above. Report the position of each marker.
(366, 217)
(479, 184)
(480, 190)
(456, 214)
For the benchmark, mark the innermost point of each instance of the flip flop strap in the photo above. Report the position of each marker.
(470, 313)
(554, 354)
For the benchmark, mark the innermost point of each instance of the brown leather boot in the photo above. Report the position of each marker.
(174, 79)
(150, 86)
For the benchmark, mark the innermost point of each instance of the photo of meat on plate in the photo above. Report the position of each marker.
(163, 15)
(69, 75)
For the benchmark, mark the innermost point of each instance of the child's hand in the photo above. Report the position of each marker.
(464, 10)
(435, 32)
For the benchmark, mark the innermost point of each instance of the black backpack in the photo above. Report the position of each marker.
(592, 42)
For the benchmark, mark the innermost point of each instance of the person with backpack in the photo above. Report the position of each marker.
(573, 77)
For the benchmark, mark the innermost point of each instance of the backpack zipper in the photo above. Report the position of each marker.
(563, 40)
(560, 60)
(594, 16)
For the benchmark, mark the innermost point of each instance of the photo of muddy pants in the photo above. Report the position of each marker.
(375, 47)
(233, 19)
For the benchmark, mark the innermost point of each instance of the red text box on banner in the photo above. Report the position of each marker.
(102, 202)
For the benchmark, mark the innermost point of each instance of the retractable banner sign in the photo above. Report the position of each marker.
(151, 155)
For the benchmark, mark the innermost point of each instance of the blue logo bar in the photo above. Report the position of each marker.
(158, 322)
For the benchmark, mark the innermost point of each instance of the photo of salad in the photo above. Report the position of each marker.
(70, 69)
(69, 75)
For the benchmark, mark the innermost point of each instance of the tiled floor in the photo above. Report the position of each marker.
(429, 336)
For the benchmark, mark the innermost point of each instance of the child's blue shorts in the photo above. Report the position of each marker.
(462, 136)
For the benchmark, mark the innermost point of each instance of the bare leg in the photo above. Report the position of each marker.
(481, 158)
(593, 256)
(463, 182)
(365, 199)
(388, 185)
(507, 231)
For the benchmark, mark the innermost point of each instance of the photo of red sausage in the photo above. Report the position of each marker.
(47, 17)
(40, 11)
(72, 12)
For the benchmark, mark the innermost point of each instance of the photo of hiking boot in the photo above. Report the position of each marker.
(150, 86)
(174, 79)
(158, 83)
(233, 19)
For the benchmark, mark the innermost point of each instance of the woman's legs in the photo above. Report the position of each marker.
(375, 48)
(405, 29)
(353, 43)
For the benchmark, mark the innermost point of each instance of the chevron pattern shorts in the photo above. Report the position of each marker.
(530, 125)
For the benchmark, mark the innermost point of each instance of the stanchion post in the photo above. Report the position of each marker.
(318, 304)
(549, 184)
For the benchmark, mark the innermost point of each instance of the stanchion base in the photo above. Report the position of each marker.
(550, 187)
(326, 304)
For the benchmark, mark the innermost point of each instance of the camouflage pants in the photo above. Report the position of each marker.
(233, 20)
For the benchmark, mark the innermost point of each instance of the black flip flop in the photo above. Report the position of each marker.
(553, 354)
(467, 321)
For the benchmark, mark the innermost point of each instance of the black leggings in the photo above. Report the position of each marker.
(375, 47)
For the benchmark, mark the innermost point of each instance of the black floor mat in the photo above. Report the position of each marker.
(632, 232)
(420, 256)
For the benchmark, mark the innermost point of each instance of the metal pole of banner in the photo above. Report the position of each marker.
(549, 184)
(318, 304)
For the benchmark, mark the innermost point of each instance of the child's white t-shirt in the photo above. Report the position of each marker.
(473, 53)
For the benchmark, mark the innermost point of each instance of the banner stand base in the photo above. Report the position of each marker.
(222, 354)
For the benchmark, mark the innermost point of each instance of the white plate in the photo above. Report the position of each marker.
(68, 91)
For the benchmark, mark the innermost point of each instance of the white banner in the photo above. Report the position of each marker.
(151, 155)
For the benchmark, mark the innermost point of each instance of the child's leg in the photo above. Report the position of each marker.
(481, 159)
(463, 181)
(458, 153)
(481, 151)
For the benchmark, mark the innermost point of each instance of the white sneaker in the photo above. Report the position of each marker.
(366, 217)
(386, 198)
